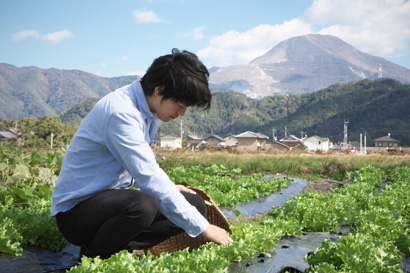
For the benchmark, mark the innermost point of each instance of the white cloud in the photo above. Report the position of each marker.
(146, 16)
(378, 27)
(234, 47)
(124, 58)
(24, 34)
(103, 64)
(55, 37)
(135, 73)
(58, 36)
(197, 33)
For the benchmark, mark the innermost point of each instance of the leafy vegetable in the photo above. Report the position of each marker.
(377, 214)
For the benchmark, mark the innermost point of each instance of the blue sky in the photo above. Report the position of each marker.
(114, 38)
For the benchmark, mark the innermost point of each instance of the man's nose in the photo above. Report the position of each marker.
(181, 112)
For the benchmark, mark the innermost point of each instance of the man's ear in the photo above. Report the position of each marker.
(158, 90)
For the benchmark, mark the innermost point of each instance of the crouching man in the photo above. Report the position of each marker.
(92, 200)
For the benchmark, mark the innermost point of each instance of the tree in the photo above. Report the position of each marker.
(7, 124)
(26, 125)
(47, 125)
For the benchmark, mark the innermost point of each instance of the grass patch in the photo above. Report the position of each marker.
(330, 166)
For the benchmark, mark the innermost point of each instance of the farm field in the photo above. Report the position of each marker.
(305, 165)
(377, 214)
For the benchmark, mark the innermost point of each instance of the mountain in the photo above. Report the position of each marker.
(75, 115)
(35, 92)
(303, 64)
(296, 66)
(377, 107)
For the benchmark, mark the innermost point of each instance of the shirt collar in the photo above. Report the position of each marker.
(141, 101)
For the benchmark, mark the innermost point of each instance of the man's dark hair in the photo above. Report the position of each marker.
(184, 76)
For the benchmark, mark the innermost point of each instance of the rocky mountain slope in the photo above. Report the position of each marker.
(296, 66)
(303, 64)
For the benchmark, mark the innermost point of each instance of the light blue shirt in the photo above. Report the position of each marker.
(112, 145)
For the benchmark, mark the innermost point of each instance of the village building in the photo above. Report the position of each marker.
(291, 141)
(215, 141)
(170, 142)
(250, 141)
(230, 141)
(386, 144)
(193, 141)
(316, 143)
(5, 136)
(276, 146)
(386, 141)
(12, 133)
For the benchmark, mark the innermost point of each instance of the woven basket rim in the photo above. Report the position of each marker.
(214, 205)
(183, 240)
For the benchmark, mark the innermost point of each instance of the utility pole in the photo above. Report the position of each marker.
(273, 135)
(182, 133)
(345, 133)
(361, 151)
(52, 136)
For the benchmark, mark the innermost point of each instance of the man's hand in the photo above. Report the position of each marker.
(212, 233)
(217, 235)
(184, 189)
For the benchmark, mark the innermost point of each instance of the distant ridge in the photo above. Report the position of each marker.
(377, 107)
(35, 92)
(298, 65)
(303, 64)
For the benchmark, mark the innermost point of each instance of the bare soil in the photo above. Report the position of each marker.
(320, 186)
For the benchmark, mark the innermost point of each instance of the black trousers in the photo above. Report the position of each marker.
(114, 220)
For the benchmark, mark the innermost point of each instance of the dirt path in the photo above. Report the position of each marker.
(320, 186)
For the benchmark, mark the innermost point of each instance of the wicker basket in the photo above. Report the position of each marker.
(183, 240)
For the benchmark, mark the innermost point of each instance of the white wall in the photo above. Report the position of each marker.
(313, 144)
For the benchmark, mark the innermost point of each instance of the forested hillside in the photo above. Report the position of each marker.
(376, 107)
(34, 92)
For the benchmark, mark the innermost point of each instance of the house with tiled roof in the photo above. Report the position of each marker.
(386, 144)
(170, 142)
(215, 141)
(230, 141)
(193, 141)
(12, 133)
(5, 136)
(291, 141)
(386, 141)
(316, 143)
(276, 146)
(250, 141)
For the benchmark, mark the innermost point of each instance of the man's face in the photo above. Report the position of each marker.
(170, 109)
(165, 109)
